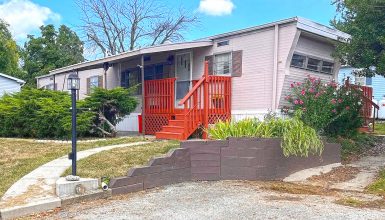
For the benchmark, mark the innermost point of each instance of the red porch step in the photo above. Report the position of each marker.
(173, 131)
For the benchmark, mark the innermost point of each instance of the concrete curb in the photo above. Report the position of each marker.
(20, 211)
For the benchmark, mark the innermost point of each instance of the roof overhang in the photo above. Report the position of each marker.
(322, 30)
(130, 54)
(21, 82)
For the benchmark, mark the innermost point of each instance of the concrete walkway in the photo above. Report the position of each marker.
(38, 186)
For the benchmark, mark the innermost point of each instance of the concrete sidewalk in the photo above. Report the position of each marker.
(38, 187)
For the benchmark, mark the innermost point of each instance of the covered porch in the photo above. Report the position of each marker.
(172, 95)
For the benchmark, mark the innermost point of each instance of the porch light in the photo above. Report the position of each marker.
(73, 82)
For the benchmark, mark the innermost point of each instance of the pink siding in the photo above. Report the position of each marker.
(286, 39)
(314, 48)
(254, 89)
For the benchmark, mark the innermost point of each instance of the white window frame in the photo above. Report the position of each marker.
(91, 85)
(230, 63)
(50, 86)
(314, 57)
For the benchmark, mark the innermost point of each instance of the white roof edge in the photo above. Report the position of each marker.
(322, 30)
(13, 78)
(249, 29)
(146, 50)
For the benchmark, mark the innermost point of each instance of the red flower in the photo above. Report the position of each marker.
(311, 90)
(296, 102)
(334, 111)
(317, 95)
(339, 100)
(292, 85)
(333, 101)
(303, 92)
(287, 97)
(347, 107)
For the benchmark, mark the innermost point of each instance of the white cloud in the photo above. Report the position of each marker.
(216, 7)
(25, 17)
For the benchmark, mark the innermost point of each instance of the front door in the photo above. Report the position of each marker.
(183, 75)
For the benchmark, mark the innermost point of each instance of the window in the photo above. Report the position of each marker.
(222, 64)
(368, 81)
(223, 43)
(313, 64)
(94, 81)
(327, 67)
(49, 87)
(131, 78)
(298, 61)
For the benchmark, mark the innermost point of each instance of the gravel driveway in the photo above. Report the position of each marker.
(215, 200)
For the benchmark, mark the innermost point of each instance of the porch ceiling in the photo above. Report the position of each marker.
(131, 54)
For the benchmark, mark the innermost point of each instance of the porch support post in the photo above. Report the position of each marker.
(206, 100)
(143, 98)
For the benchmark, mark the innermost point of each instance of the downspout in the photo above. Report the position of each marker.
(275, 68)
(54, 82)
(143, 104)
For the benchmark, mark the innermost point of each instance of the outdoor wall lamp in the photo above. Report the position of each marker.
(73, 84)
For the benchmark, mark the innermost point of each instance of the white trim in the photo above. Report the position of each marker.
(116, 58)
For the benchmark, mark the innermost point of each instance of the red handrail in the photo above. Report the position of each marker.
(198, 110)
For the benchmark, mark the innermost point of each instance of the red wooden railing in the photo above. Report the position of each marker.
(159, 96)
(159, 104)
(207, 102)
(368, 105)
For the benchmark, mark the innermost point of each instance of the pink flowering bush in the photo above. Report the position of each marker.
(327, 107)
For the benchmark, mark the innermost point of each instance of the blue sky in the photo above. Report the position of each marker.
(216, 16)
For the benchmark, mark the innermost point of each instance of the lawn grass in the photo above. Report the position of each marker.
(116, 162)
(18, 157)
(379, 128)
(378, 187)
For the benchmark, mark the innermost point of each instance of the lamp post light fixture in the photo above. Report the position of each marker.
(73, 84)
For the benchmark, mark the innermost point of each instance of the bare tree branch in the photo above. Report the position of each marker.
(116, 26)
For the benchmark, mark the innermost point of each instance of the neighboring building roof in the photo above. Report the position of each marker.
(21, 82)
(302, 24)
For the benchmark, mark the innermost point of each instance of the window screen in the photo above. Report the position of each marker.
(222, 64)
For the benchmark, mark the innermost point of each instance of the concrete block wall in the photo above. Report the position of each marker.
(233, 159)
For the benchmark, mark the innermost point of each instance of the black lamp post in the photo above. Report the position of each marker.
(73, 85)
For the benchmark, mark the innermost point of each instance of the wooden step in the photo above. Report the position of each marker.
(179, 116)
(175, 129)
(169, 135)
(176, 123)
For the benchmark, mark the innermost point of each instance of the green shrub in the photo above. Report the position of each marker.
(36, 113)
(298, 139)
(330, 109)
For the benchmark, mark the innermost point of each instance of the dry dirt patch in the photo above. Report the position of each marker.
(336, 175)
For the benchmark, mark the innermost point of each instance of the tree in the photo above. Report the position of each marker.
(9, 54)
(110, 106)
(53, 49)
(364, 20)
(116, 26)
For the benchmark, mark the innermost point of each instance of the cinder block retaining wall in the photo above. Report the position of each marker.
(233, 159)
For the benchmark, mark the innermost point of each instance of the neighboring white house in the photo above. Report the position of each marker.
(9, 84)
(377, 82)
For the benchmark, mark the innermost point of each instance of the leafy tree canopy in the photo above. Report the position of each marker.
(53, 49)
(364, 20)
(9, 54)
